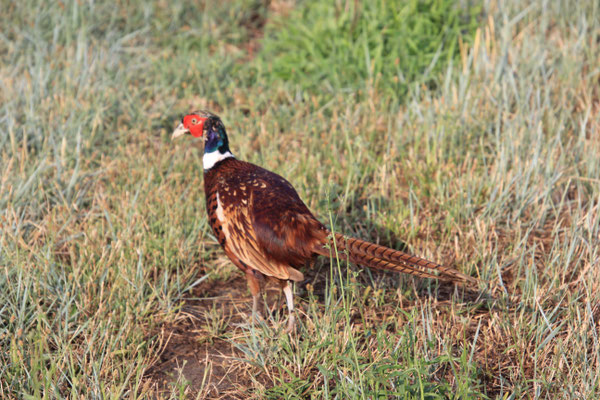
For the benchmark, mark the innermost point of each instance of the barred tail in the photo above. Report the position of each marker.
(380, 257)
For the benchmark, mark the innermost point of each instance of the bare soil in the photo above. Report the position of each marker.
(209, 366)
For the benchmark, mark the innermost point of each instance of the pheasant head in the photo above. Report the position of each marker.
(206, 124)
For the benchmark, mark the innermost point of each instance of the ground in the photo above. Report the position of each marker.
(464, 133)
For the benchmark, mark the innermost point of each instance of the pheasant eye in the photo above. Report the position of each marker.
(194, 121)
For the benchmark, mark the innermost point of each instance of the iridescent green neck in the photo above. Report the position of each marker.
(216, 145)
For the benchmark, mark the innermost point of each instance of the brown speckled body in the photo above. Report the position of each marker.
(264, 224)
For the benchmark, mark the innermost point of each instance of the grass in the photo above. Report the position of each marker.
(327, 47)
(112, 286)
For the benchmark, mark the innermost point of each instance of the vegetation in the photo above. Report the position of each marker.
(484, 157)
(328, 47)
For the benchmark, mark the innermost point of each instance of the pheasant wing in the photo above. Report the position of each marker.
(242, 241)
(285, 228)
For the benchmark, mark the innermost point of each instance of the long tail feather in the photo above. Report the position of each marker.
(380, 257)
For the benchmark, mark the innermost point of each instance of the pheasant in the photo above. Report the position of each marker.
(266, 229)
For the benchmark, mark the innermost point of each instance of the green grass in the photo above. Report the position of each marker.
(106, 259)
(349, 46)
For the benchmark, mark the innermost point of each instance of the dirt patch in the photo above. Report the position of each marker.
(199, 347)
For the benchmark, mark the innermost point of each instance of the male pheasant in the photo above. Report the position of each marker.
(265, 228)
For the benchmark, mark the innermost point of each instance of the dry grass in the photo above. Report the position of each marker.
(112, 286)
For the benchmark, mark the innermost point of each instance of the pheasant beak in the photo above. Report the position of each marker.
(179, 131)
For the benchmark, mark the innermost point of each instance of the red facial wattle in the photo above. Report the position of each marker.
(195, 124)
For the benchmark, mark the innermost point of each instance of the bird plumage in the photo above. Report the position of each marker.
(267, 230)
(258, 217)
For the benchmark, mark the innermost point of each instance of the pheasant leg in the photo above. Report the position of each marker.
(289, 298)
(254, 286)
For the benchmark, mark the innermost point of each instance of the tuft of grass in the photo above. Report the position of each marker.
(349, 45)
